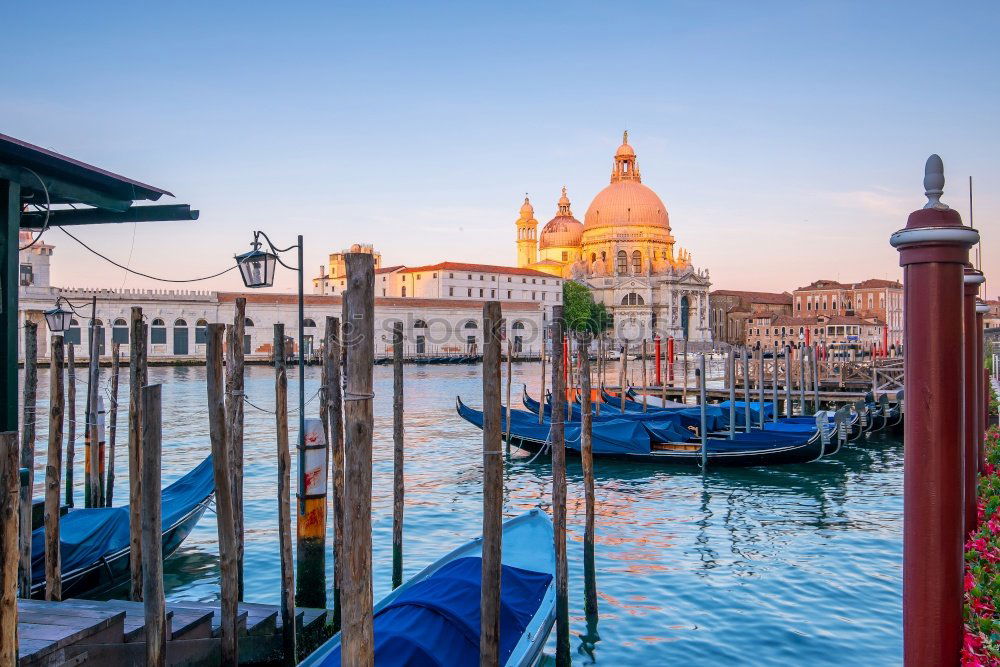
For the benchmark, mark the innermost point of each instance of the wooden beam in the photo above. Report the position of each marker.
(10, 215)
(98, 216)
(62, 191)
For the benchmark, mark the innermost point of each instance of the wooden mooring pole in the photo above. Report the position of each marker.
(558, 436)
(225, 508)
(70, 420)
(541, 396)
(814, 367)
(154, 605)
(510, 381)
(398, 480)
(91, 491)
(747, 419)
(28, 430)
(334, 358)
(310, 526)
(284, 501)
(934, 248)
(645, 379)
(489, 636)
(137, 379)
(53, 465)
(359, 302)
(109, 490)
(10, 510)
(760, 386)
(587, 461)
(235, 360)
(788, 381)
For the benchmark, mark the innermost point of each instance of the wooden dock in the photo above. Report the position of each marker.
(102, 632)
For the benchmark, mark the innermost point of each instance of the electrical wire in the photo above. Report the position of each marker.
(139, 273)
(48, 211)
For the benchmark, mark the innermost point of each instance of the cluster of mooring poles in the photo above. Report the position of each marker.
(944, 440)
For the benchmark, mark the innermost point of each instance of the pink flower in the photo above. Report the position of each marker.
(982, 606)
(978, 545)
(970, 582)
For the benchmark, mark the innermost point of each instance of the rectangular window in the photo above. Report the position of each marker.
(533, 281)
(543, 279)
(434, 275)
(508, 278)
(451, 275)
(470, 291)
(480, 292)
(481, 277)
(451, 291)
(27, 276)
(470, 276)
(493, 293)
(543, 296)
(533, 296)
(418, 276)
(493, 279)
(508, 294)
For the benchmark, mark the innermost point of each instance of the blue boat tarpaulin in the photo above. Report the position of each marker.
(435, 622)
(87, 535)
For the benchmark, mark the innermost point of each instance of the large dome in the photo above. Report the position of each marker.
(563, 230)
(626, 203)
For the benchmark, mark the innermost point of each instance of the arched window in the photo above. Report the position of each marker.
(636, 262)
(119, 331)
(593, 257)
(199, 332)
(420, 324)
(471, 324)
(158, 332)
(247, 322)
(308, 322)
(622, 261)
(73, 333)
(517, 325)
(632, 299)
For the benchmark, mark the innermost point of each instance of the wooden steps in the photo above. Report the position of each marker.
(52, 633)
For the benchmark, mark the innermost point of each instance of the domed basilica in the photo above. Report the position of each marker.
(624, 252)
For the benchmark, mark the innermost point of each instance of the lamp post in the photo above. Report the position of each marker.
(257, 269)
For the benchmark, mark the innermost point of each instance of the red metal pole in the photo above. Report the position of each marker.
(670, 359)
(885, 338)
(566, 367)
(984, 394)
(807, 336)
(656, 344)
(933, 249)
(971, 280)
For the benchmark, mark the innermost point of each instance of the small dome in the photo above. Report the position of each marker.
(563, 230)
(527, 210)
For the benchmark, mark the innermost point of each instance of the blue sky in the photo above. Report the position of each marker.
(787, 139)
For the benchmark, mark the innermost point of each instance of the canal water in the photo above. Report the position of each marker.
(789, 565)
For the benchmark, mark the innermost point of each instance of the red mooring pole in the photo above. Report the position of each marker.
(656, 344)
(984, 391)
(971, 279)
(933, 250)
(670, 359)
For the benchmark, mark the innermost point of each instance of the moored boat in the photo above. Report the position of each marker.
(433, 619)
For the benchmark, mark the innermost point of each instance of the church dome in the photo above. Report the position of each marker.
(626, 202)
(563, 230)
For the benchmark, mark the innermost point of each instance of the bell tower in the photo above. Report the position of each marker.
(527, 235)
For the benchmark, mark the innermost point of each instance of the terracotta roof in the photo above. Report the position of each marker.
(864, 284)
(823, 284)
(390, 269)
(782, 298)
(878, 282)
(385, 301)
(482, 268)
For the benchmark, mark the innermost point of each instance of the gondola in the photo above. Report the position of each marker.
(689, 417)
(433, 619)
(896, 414)
(94, 543)
(660, 442)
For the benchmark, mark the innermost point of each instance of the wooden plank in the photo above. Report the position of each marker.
(359, 302)
(36, 641)
(397, 454)
(489, 601)
(113, 426)
(28, 430)
(152, 552)
(284, 490)
(261, 618)
(241, 615)
(137, 378)
(53, 466)
(10, 511)
(225, 521)
(235, 362)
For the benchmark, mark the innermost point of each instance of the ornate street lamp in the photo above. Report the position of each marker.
(58, 319)
(257, 269)
(257, 266)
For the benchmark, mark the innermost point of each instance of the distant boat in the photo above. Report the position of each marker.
(662, 441)
(94, 543)
(433, 619)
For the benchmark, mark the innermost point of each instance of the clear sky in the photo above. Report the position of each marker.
(787, 139)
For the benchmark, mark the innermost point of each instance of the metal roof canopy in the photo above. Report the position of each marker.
(107, 198)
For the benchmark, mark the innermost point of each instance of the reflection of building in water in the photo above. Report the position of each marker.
(624, 251)
(177, 319)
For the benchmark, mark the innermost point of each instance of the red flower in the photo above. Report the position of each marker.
(982, 606)
(970, 582)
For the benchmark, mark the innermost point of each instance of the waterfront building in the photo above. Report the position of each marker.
(991, 319)
(625, 252)
(873, 299)
(769, 330)
(730, 311)
(177, 319)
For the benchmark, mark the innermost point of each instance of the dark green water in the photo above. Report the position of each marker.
(791, 565)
